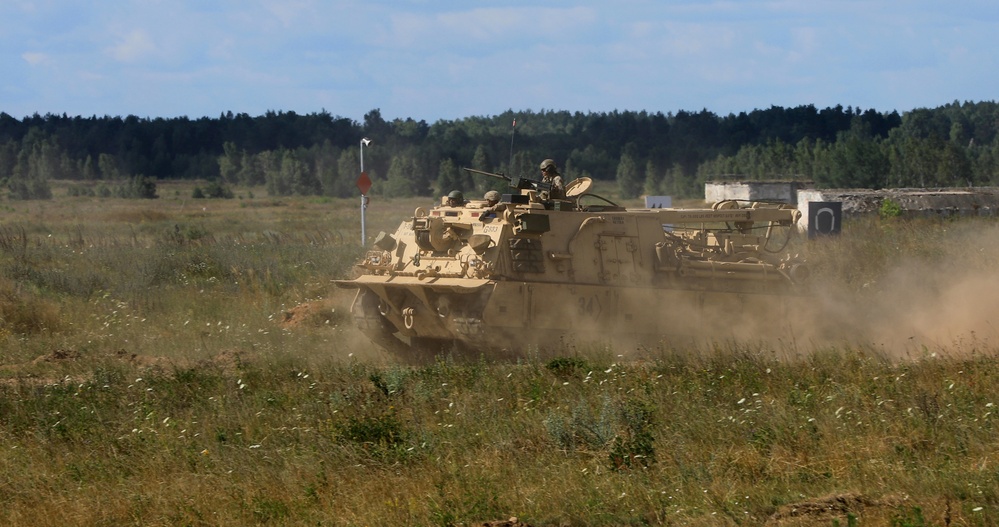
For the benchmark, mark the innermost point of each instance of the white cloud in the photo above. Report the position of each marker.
(34, 58)
(432, 59)
(223, 50)
(804, 42)
(291, 14)
(496, 26)
(133, 46)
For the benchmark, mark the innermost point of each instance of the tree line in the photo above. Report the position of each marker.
(644, 152)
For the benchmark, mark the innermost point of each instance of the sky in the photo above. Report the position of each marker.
(437, 60)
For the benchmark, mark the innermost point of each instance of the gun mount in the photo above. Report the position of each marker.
(519, 183)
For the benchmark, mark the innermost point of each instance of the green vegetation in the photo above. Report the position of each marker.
(641, 152)
(182, 361)
(890, 209)
(732, 438)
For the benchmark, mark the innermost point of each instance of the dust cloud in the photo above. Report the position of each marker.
(904, 296)
(939, 298)
(915, 309)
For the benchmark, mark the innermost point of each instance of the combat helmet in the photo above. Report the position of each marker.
(548, 164)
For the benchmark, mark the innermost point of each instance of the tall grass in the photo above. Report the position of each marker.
(147, 378)
(675, 440)
(152, 278)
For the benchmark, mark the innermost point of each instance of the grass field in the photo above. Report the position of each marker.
(188, 362)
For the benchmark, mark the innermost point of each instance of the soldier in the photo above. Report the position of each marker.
(455, 199)
(550, 175)
(492, 197)
(492, 205)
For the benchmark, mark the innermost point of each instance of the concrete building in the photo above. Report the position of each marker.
(957, 201)
(785, 191)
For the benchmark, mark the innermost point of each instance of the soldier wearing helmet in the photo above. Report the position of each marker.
(550, 175)
(492, 197)
(492, 205)
(455, 199)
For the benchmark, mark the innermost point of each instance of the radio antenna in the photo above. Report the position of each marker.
(513, 132)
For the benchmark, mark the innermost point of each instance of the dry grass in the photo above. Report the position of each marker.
(150, 376)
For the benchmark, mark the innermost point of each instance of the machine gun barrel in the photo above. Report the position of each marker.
(490, 174)
(518, 183)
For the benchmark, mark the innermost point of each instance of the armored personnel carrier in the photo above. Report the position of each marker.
(533, 272)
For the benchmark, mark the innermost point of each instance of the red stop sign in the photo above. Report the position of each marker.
(364, 183)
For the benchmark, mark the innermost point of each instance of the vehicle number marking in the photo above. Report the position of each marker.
(589, 306)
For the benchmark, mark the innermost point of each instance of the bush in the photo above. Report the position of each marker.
(33, 188)
(139, 187)
(890, 209)
(216, 190)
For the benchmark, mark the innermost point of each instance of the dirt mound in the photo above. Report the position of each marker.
(828, 509)
(227, 361)
(144, 362)
(316, 313)
(59, 355)
(512, 522)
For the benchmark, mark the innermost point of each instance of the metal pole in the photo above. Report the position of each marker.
(364, 141)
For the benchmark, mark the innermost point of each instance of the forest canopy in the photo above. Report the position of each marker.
(645, 153)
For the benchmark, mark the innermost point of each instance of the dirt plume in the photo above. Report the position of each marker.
(316, 313)
(948, 300)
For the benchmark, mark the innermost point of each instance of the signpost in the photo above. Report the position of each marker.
(364, 185)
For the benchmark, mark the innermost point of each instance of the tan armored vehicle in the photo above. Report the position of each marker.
(531, 272)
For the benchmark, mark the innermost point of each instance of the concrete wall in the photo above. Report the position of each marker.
(786, 191)
(977, 201)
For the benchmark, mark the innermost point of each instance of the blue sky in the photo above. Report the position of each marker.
(433, 60)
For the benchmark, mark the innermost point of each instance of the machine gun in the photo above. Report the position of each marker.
(519, 183)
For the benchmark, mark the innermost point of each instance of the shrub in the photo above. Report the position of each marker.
(890, 209)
